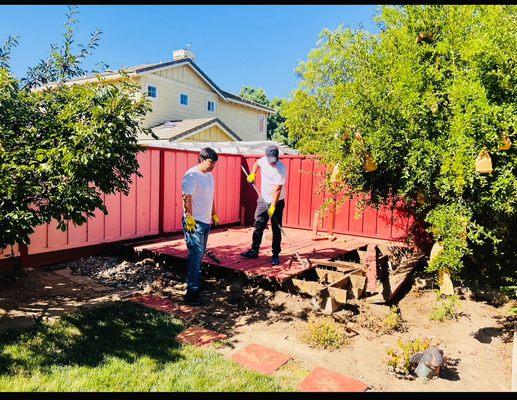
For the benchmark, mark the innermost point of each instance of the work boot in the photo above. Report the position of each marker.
(275, 260)
(250, 254)
(192, 299)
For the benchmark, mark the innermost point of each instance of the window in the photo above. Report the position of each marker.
(151, 91)
(210, 106)
(184, 99)
(261, 123)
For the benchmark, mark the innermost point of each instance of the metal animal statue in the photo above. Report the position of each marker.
(427, 364)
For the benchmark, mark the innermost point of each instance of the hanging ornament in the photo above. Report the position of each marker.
(334, 174)
(369, 162)
(505, 142)
(420, 198)
(484, 162)
(445, 282)
(435, 251)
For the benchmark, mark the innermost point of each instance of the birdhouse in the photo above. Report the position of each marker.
(445, 282)
(369, 163)
(420, 198)
(335, 172)
(359, 138)
(505, 142)
(435, 251)
(483, 162)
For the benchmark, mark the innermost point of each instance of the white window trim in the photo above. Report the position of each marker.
(147, 92)
(188, 100)
(215, 106)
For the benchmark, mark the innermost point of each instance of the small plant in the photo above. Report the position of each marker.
(445, 308)
(324, 333)
(393, 321)
(398, 356)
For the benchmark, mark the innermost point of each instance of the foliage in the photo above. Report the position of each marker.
(324, 333)
(393, 321)
(423, 97)
(276, 129)
(446, 307)
(62, 145)
(119, 347)
(397, 357)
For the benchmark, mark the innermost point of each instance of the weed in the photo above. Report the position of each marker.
(324, 333)
(393, 321)
(445, 308)
(398, 356)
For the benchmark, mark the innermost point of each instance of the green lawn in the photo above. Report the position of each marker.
(120, 347)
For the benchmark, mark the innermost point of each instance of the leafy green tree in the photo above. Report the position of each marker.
(62, 145)
(422, 99)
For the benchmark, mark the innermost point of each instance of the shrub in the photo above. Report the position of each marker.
(393, 321)
(399, 355)
(445, 308)
(324, 333)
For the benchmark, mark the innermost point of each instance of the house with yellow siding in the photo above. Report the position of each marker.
(188, 106)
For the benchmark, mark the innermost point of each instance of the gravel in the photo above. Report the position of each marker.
(122, 274)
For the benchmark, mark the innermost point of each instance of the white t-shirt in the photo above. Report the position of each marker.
(271, 178)
(201, 187)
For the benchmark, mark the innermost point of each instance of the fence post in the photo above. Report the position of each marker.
(161, 201)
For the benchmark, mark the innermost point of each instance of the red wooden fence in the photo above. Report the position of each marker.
(153, 205)
(304, 196)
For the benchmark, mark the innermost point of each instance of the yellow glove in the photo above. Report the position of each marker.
(271, 210)
(190, 222)
(251, 178)
(215, 218)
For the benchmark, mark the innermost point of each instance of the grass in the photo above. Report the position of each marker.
(324, 333)
(120, 347)
(445, 308)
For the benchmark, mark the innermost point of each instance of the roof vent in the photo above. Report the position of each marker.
(183, 54)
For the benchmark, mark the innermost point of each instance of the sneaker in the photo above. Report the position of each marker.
(250, 254)
(275, 260)
(192, 299)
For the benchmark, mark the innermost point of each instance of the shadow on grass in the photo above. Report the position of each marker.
(123, 330)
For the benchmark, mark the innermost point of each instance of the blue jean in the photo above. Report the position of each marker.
(196, 245)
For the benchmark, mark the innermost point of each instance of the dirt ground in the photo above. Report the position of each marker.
(478, 345)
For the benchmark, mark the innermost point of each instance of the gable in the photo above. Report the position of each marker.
(211, 134)
(184, 74)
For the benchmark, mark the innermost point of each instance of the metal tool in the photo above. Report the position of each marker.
(304, 262)
(212, 256)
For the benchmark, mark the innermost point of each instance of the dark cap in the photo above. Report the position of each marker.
(272, 154)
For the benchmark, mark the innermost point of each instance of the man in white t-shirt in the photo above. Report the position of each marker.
(273, 174)
(198, 212)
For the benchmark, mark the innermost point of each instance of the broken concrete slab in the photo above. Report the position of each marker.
(199, 336)
(166, 305)
(261, 359)
(324, 380)
(82, 280)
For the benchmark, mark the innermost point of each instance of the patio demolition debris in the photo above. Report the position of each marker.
(379, 270)
(121, 274)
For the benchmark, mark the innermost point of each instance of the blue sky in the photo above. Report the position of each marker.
(235, 45)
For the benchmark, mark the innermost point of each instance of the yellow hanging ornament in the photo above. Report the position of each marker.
(334, 174)
(484, 162)
(369, 163)
(435, 251)
(505, 142)
(445, 282)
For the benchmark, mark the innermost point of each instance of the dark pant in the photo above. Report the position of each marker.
(261, 220)
(196, 245)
